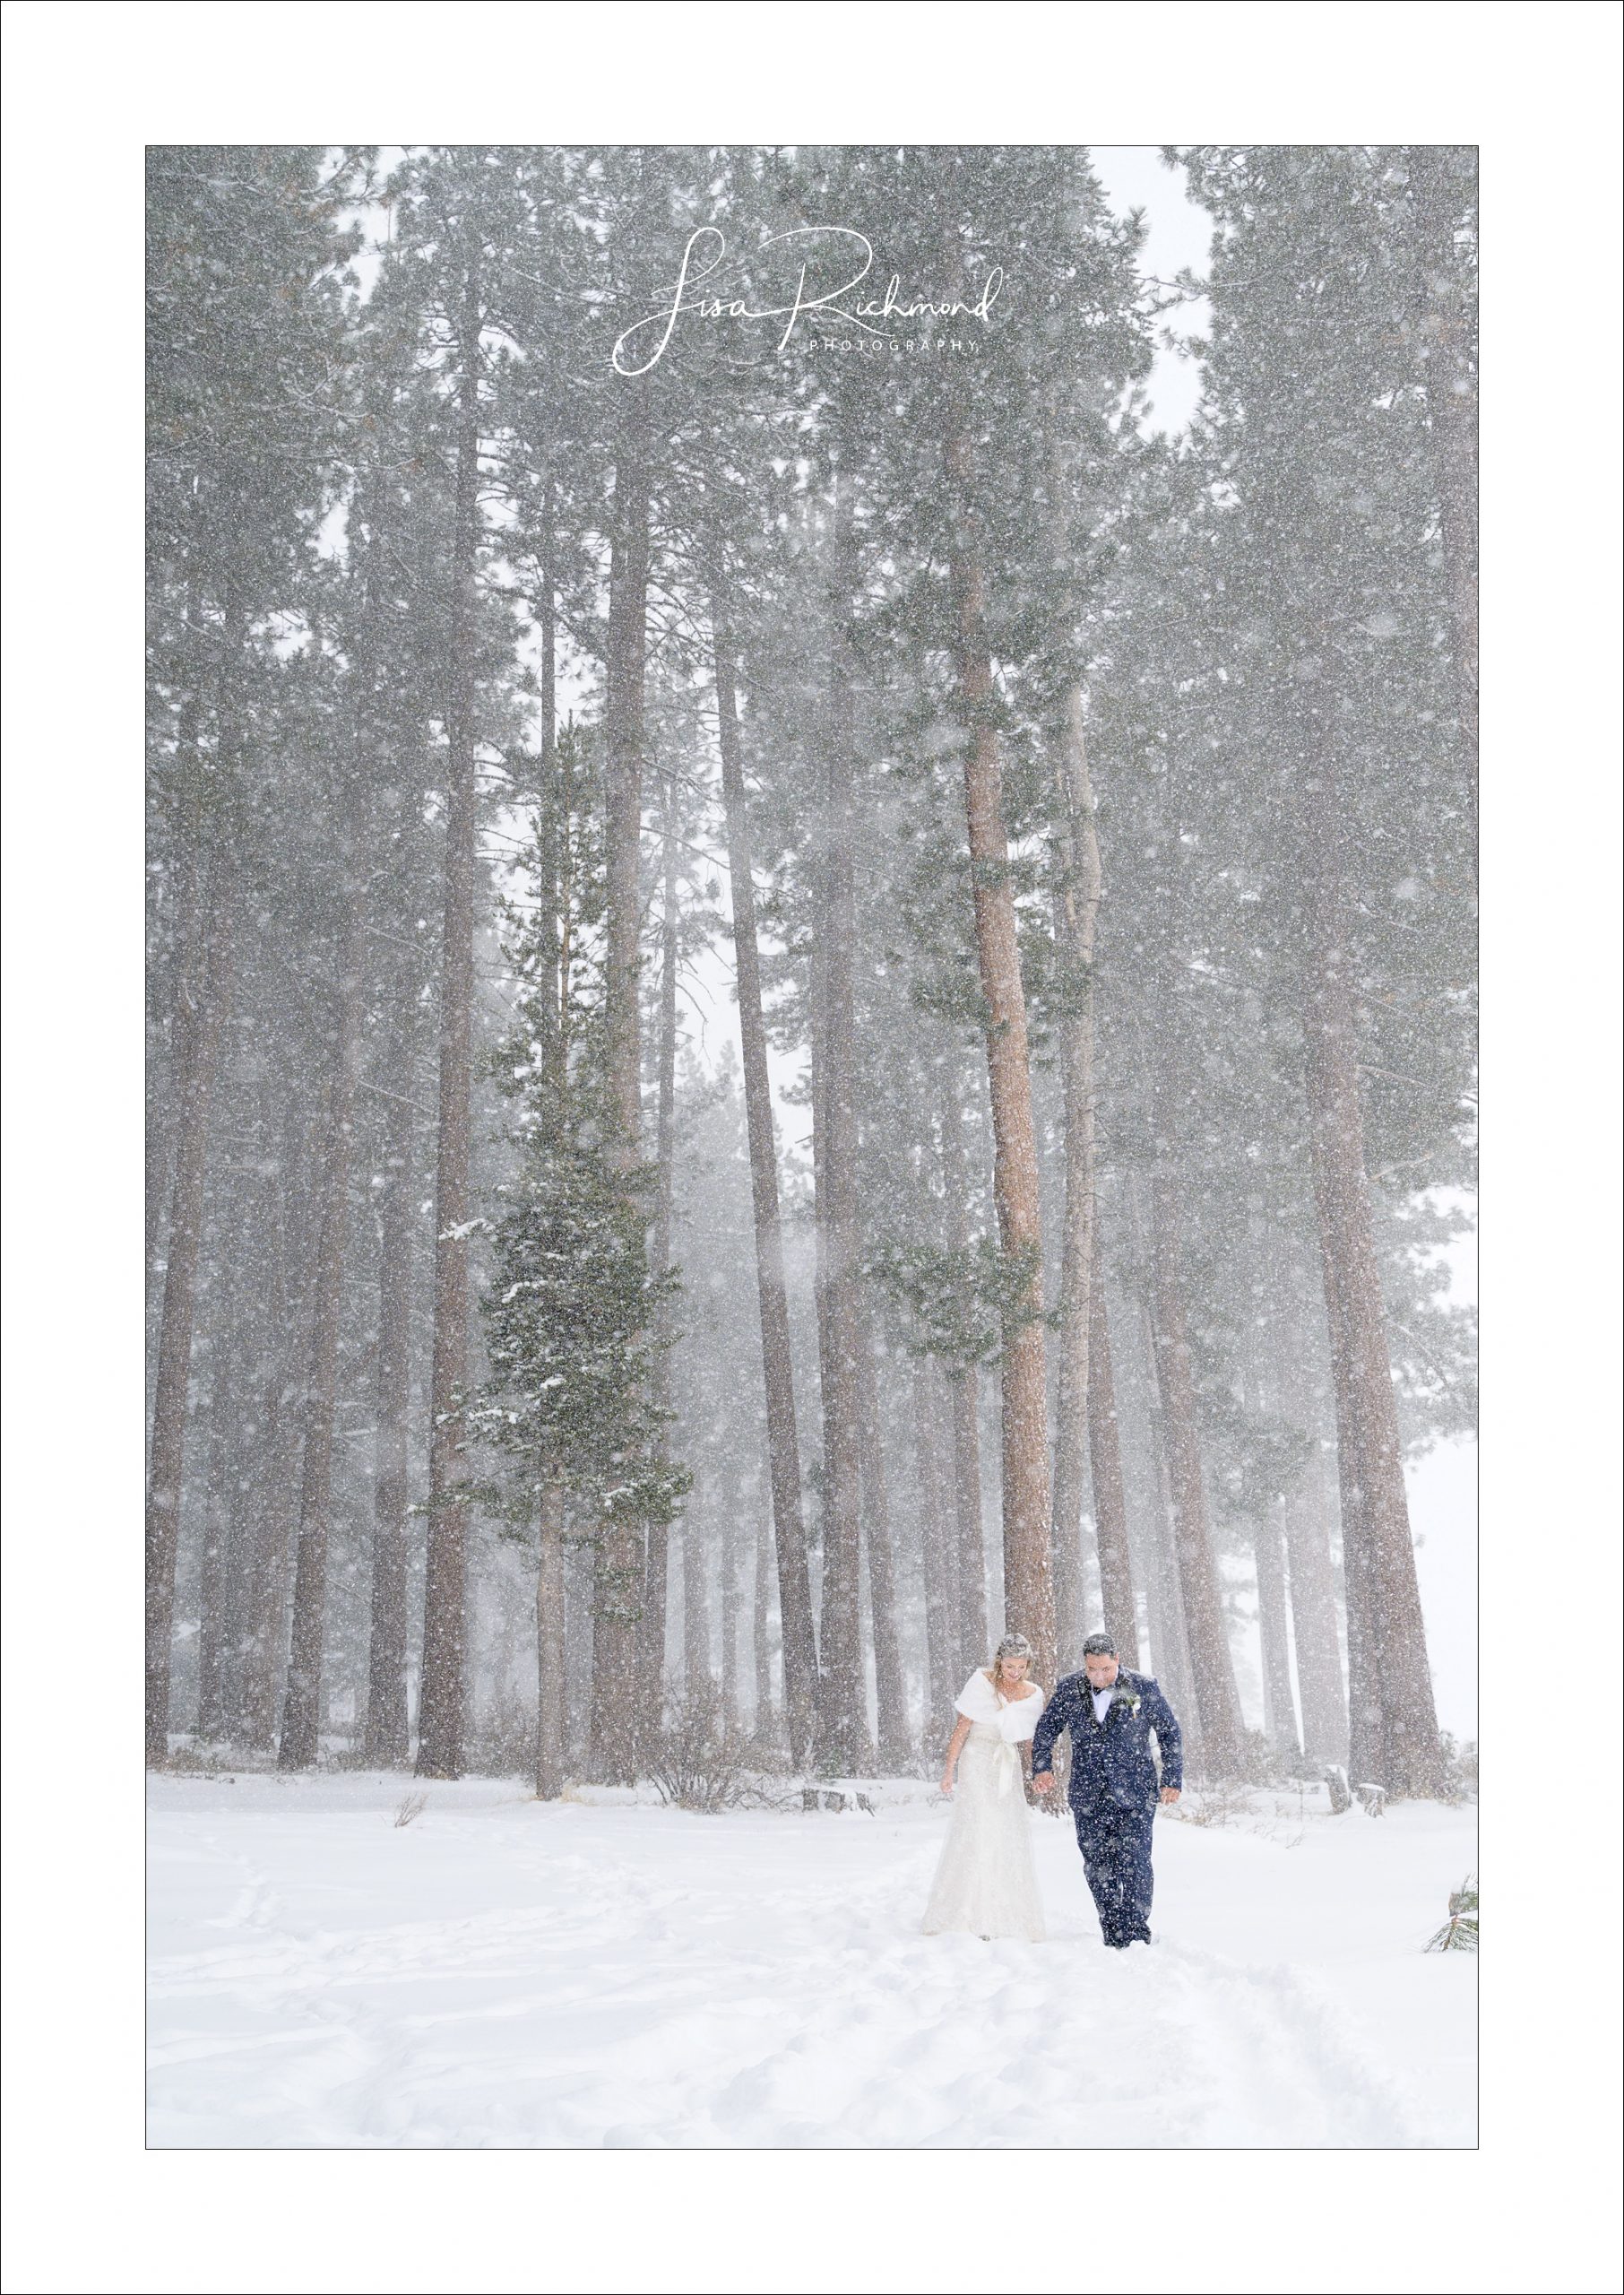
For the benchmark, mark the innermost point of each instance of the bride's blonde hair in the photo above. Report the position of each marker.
(1013, 1645)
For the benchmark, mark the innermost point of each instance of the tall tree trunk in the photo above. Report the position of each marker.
(203, 1019)
(549, 630)
(266, 1244)
(551, 1720)
(553, 923)
(695, 1606)
(273, 1531)
(944, 1633)
(441, 1695)
(826, 1369)
(301, 1704)
(765, 1725)
(890, 1680)
(388, 1724)
(1077, 906)
(1305, 1514)
(175, 988)
(1279, 1729)
(1212, 1665)
(650, 1625)
(1279, 1712)
(964, 1407)
(1392, 1718)
(271, 1621)
(225, 1439)
(1110, 1497)
(1448, 364)
(1367, 1718)
(964, 1404)
(550, 1645)
(730, 1612)
(1169, 1629)
(1314, 1632)
(156, 1174)
(783, 1447)
(580, 1625)
(844, 1724)
(1029, 1605)
(620, 1561)
(252, 1390)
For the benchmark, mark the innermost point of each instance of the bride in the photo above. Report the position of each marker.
(987, 1881)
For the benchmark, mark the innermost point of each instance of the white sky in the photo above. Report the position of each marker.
(1133, 175)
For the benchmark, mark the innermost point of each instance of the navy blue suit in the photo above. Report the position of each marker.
(1113, 1788)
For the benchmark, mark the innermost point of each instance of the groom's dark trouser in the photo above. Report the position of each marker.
(1116, 1845)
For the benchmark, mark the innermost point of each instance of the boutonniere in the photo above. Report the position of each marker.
(1127, 1697)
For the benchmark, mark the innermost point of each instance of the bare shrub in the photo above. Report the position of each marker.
(1224, 1802)
(413, 1806)
(701, 1760)
(197, 1761)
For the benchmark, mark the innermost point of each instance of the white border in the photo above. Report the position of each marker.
(88, 86)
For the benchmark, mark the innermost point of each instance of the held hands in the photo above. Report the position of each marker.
(947, 1781)
(1170, 1793)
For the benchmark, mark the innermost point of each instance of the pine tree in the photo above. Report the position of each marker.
(573, 1308)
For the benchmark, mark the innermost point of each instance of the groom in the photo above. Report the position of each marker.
(1113, 1779)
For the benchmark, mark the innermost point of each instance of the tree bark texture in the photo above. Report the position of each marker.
(203, 1019)
(891, 1682)
(1209, 1648)
(442, 1694)
(1305, 1513)
(963, 1400)
(301, 1704)
(1279, 1710)
(944, 1632)
(650, 1625)
(388, 1726)
(1077, 907)
(218, 1512)
(1393, 1721)
(550, 1645)
(1110, 1497)
(620, 1561)
(695, 1604)
(1029, 1605)
(765, 1723)
(266, 1591)
(843, 1726)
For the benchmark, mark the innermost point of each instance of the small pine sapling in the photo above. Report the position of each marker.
(1459, 1932)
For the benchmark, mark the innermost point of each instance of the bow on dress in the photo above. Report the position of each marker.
(1008, 1757)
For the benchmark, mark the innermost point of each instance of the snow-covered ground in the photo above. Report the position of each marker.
(504, 1972)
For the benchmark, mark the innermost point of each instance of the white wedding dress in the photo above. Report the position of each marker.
(987, 1880)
